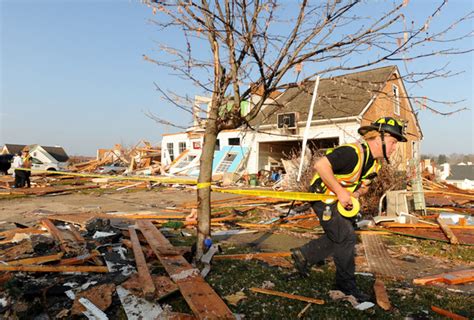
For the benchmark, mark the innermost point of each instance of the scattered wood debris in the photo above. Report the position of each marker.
(453, 277)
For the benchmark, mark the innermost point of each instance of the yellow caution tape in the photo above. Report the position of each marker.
(203, 185)
(116, 177)
(300, 196)
(352, 212)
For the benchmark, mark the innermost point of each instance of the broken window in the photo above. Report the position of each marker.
(170, 148)
(185, 162)
(181, 147)
(234, 141)
(226, 162)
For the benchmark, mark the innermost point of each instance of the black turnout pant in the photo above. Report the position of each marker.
(339, 240)
(19, 178)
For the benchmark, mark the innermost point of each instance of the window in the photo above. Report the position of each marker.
(396, 100)
(234, 141)
(36, 161)
(226, 162)
(181, 147)
(218, 145)
(170, 147)
(185, 162)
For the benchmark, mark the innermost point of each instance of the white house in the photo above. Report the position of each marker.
(42, 157)
(461, 176)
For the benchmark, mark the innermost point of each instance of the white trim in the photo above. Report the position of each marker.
(359, 117)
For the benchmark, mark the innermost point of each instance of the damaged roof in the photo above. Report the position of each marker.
(338, 97)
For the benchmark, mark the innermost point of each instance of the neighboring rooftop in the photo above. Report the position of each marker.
(461, 172)
(57, 153)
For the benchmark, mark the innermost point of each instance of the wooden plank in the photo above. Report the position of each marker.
(201, 298)
(452, 238)
(155, 239)
(57, 234)
(11, 233)
(36, 260)
(34, 268)
(287, 295)
(381, 295)
(248, 256)
(454, 277)
(80, 259)
(421, 225)
(54, 189)
(448, 314)
(148, 287)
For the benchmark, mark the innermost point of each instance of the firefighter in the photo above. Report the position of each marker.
(346, 172)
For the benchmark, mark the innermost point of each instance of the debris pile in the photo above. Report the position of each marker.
(98, 269)
(142, 159)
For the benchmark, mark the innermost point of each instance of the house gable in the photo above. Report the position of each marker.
(12, 148)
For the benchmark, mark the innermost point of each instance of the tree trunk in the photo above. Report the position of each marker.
(204, 180)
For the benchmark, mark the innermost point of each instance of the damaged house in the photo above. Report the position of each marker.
(343, 104)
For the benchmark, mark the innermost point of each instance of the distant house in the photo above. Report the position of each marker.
(9, 148)
(461, 176)
(344, 103)
(43, 157)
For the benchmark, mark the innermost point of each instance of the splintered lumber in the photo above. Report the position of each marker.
(454, 277)
(448, 314)
(94, 256)
(54, 189)
(381, 295)
(34, 268)
(422, 225)
(287, 295)
(36, 260)
(66, 245)
(201, 298)
(248, 256)
(56, 234)
(11, 233)
(147, 283)
(149, 216)
(448, 232)
(81, 259)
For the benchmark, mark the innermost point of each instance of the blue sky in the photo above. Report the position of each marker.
(72, 74)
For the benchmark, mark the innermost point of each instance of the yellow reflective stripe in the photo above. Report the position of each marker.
(348, 177)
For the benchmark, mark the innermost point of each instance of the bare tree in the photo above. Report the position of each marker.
(231, 48)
